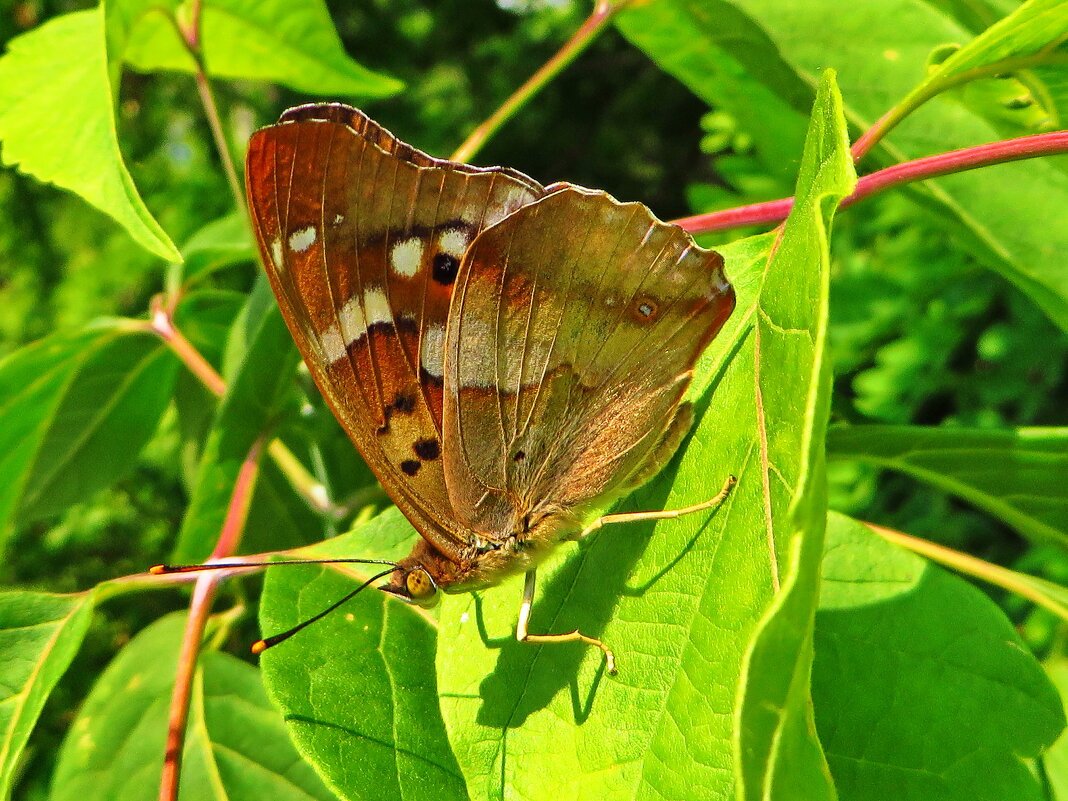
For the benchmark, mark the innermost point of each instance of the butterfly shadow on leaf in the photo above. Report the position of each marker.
(582, 593)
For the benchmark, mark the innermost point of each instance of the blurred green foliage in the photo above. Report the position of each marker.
(920, 332)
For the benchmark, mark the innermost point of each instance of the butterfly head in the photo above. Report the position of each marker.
(414, 585)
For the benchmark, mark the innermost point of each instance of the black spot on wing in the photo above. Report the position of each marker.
(410, 466)
(403, 402)
(427, 449)
(445, 268)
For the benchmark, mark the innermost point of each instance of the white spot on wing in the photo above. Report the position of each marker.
(476, 340)
(353, 324)
(376, 307)
(303, 239)
(338, 219)
(432, 350)
(453, 242)
(276, 254)
(333, 344)
(407, 256)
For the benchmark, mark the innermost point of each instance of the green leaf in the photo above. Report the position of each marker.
(689, 41)
(235, 747)
(253, 401)
(1018, 476)
(1008, 215)
(75, 411)
(1055, 760)
(778, 754)
(39, 636)
(357, 688)
(57, 122)
(1026, 38)
(270, 40)
(279, 518)
(922, 687)
(678, 601)
(218, 245)
(121, 17)
(205, 317)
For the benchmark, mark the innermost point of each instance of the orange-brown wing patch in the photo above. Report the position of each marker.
(572, 334)
(362, 237)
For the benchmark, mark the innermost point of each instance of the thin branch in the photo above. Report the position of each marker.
(310, 488)
(909, 104)
(603, 11)
(1028, 587)
(163, 324)
(199, 610)
(956, 161)
(189, 33)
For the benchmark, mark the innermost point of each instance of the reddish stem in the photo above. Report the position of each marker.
(199, 610)
(163, 324)
(1025, 147)
(240, 499)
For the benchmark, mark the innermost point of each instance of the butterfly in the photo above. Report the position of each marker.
(505, 356)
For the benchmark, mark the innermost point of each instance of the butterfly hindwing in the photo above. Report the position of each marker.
(362, 237)
(574, 327)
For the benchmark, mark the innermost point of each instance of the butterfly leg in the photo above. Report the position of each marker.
(663, 514)
(523, 635)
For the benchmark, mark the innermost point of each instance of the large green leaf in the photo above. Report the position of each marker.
(678, 601)
(57, 122)
(204, 316)
(253, 401)
(236, 746)
(1055, 760)
(270, 40)
(39, 635)
(75, 411)
(219, 244)
(922, 687)
(1019, 476)
(1009, 215)
(357, 688)
(1027, 38)
(778, 754)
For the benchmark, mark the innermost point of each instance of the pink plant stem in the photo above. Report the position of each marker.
(163, 324)
(199, 611)
(1025, 147)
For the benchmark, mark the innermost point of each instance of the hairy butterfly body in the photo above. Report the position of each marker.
(505, 356)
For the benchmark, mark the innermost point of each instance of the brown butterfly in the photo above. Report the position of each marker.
(505, 356)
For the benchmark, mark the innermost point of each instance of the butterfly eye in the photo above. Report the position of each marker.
(421, 587)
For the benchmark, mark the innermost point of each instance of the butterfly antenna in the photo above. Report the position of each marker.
(166, 570)
(260, 646)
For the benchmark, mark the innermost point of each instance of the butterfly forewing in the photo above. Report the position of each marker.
(362, 237)
(574, 327)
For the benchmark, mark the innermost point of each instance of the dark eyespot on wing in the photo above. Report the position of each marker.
(403, 403)
(410, 466)
(445, 268)
(645, 309)
(427, 449)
